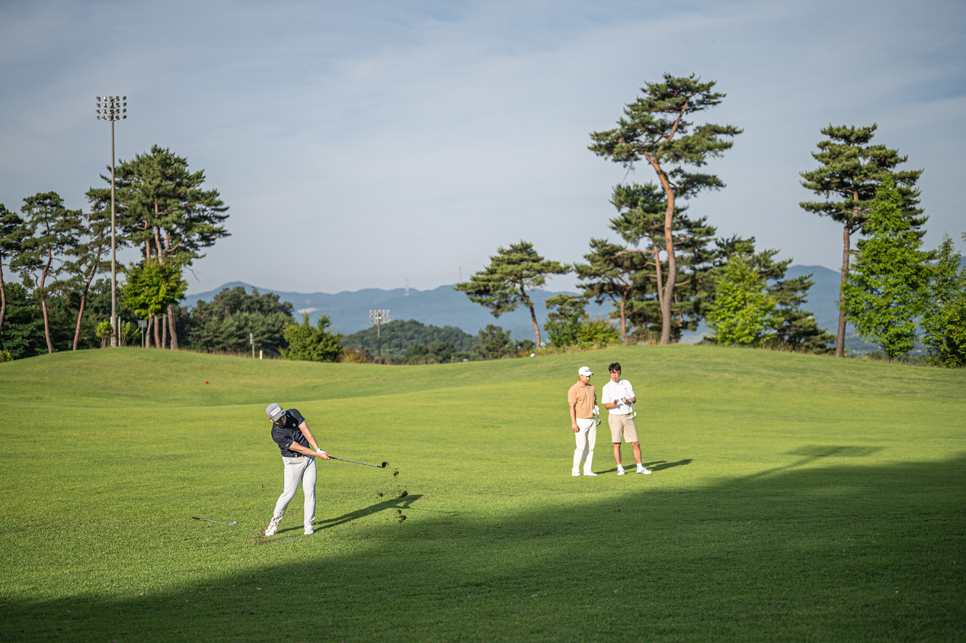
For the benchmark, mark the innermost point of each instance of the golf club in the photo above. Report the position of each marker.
(233, 522)
(378, 466)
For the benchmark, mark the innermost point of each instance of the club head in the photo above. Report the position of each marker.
(233, 522)
(385, 464)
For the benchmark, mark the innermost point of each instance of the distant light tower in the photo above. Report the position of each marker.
(112, 108)
(379, 317)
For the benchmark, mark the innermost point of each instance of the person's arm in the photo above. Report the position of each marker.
(298, 448)
(630, 391)
(304, 428)
(572, 403)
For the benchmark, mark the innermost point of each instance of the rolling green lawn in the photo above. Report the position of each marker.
(794, 498)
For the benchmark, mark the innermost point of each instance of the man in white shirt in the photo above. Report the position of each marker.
(618, 395)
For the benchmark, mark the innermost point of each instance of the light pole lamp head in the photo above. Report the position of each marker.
(111, 108)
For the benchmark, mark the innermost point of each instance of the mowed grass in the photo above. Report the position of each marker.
(793, 498)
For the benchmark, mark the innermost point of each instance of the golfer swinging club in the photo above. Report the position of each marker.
(293, 438)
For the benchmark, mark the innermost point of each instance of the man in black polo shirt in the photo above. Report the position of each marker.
(294, 439)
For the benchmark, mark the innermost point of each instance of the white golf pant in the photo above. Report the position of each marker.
(298, 470)
(586, 440)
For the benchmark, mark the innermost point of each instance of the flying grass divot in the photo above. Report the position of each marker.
(397, 492)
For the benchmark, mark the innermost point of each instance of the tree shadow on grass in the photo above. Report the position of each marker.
(815, 452)
(820, 553)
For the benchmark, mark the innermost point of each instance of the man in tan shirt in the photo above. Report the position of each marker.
(582, 400)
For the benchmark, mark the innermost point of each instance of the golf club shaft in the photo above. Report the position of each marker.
(233, 522)
(354, 462)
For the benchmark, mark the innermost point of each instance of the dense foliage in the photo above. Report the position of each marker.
(401, 336)
(225, 323)
(885, 291)
(311, 344)
(944, 318)
(569, 325)
(743, 312)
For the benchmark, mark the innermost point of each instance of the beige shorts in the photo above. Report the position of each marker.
(622, 425)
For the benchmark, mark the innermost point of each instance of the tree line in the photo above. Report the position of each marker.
(161, 207)
(669, 271)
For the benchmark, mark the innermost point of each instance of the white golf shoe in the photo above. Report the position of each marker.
(308, 530)
(589, 473)
(273, 526)
(620, 470)
(641, 469)
(575, 474)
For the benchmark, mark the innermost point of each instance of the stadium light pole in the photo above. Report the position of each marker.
(379, 317)
(112, 108)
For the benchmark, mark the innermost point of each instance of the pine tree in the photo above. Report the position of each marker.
(11, 236)
(609, 274)
(502, 286)
(654, 129)
(852, 170)
(641, 210)
(49, 231)
(885, 290)
(163, 206)
(88, 256)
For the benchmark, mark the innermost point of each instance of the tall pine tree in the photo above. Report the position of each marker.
(851, 171)
(654, 128)
(165, 208)
(641, 211)
(50, 230)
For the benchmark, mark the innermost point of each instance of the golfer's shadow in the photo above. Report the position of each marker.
(659, 465)
(385, 505)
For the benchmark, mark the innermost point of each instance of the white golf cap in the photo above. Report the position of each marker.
(585, 370)
(274, 411)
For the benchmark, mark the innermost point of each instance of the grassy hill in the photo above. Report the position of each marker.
(793, 498)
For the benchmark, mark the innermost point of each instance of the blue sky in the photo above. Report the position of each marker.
(365, 144)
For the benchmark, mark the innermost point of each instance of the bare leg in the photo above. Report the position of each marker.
(617, 453)
(637, 451)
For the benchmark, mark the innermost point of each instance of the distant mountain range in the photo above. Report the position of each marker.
(443, 306)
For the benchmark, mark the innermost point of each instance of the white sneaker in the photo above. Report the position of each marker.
(273, 526)
(575, 474)
(308, 530)
(589, 473)
(620, 470)
(642, 470)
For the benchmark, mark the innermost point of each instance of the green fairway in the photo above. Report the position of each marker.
(794, 498)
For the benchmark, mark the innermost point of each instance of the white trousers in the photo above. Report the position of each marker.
(298, 470)
(586, 440)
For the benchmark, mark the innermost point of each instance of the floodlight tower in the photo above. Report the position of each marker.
(112, 108)
(379, 317)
